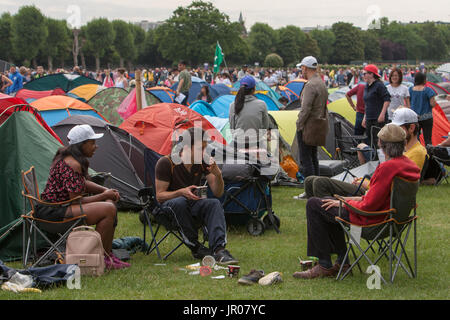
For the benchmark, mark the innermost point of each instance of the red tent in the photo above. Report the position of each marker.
(154, 126)
(9, 105)
(441, 126)
(32, 94)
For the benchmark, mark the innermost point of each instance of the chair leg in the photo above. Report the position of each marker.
(149, 223)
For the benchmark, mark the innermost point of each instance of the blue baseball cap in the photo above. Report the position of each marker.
(248, 81)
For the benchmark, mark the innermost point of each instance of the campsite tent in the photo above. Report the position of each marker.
(271, 105)
(296, 86)
(24, 143)
(204, 108)
(87, 91)
(437, 88)
(107, 101)
(164, 94)
(441, 125)
(119, 153)
(56, 108)
(445, 106)
(31, 95)
(260, 86)
(222, 89)
(64, 81)
(156, 125)
(221, 105)
(197, 85)
(288, 94)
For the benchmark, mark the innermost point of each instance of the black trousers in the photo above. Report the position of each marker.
(427, 130)
(325, 235)
(308, 157)
(322, 187)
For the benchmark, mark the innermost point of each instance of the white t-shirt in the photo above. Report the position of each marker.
(398, 95)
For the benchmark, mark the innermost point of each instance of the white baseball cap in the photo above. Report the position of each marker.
(82, 132)
(403, 116)
(309, 62)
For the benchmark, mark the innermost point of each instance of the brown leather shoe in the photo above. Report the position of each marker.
(346, 266)
(316, 272)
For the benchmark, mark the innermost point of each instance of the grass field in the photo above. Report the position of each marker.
(272, 252)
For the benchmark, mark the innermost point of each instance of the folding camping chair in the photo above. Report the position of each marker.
(386, 234)
(346, 146)
(155, 213)
(33, 225)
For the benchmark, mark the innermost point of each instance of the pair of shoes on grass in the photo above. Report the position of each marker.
(258, 276)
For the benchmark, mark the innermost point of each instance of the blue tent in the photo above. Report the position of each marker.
(221, 89)
(296, 86)
(204, 108)
(261, 86)
(166, 95)
(221, 105)
(197, 85)
(271, 105)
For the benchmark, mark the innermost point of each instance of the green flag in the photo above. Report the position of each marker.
(218, 58)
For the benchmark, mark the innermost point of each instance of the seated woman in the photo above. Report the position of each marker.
(204, 94)
(69, 179)
(325, 235)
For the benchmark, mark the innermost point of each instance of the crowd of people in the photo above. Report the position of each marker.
(391, 117)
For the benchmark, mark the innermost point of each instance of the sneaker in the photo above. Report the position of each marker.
(200, 251)
(251, 278)
(301, 196)
(223, 257)
(271, 278)
(111, 264)
(119, 262)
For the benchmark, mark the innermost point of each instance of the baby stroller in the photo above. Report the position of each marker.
(247, 198)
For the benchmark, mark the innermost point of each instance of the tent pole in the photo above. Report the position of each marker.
(137, 77)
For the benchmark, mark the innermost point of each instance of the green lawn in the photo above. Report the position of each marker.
(273, 252)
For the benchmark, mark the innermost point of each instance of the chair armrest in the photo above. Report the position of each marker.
(362, 212)
(50, 204)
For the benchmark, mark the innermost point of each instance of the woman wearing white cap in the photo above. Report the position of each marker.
(69, 179)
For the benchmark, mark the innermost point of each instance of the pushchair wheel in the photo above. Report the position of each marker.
(255, 227)
(268, 223)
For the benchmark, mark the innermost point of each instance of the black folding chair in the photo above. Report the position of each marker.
(156, 215)
(33, 225)
(388, 234)
(346, 146)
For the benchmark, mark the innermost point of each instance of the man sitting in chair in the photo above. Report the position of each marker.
(325, 236)
(176, 185)
(322, 187)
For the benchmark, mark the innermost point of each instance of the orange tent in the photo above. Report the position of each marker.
(154, 126)
(56, 108)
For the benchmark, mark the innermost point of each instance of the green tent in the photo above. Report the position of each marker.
(65, 81)
(24, 143)
(107, 101)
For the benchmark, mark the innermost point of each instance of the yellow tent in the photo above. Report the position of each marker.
(87, 91)
(343, 108)
(286, 121)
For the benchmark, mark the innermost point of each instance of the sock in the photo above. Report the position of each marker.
(326, 263)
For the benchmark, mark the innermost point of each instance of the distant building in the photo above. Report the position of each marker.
(147, 25)
(242, 23)
(309, 29)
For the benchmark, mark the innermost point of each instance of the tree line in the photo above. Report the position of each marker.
(191, 33)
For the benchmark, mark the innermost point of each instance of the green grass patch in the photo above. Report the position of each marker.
(272, 252)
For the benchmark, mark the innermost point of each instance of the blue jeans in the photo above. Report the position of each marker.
(359, 129)
(208, 212)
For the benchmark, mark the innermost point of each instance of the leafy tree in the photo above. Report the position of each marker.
(310, 47)
(408, 38)
(29, 32)
(436, 47)
(236, 50)
(57, 40)
(123, 41)
(291, 40)
(192, 32)
(348, 45)
(273, 60)
(99, 35)
(6, 50)
(372, 50)
(325, 40)
(139, 39)
(262, 40)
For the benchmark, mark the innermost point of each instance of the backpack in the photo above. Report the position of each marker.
(84, 248)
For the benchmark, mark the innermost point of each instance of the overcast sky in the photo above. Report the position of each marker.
(277, 13)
